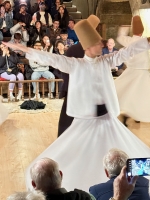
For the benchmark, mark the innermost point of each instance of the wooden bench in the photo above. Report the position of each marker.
(4, 82)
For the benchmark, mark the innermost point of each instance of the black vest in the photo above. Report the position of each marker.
(38, 17)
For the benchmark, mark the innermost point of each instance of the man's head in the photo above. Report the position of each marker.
(45, 175)
(114, 161)
(110, 44)
(34, 195)
(23, 8)
(42, 6)
(71, 24)
(55, 24)
(37, 45)
(17, 38)
(7, 6)
(64, 34)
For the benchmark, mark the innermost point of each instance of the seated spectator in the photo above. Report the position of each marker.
(10, 71)
(11, 2)
(54, 31)
(47, 177)
(22, 15)
(6, 22)
(60, 47)
(34, 195)
(20, 27)
(63, 17)
(110, 49)
(64, 37)
(40, 70)
(1, 36)
(18, 40)
(47, 45)
(8, 8)
(17, 4)
(42, 16)
(53, 6)
(71, 33)
(35, 33)
(35, 6)
(113, 162)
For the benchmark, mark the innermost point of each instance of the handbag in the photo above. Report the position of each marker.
(14, 70)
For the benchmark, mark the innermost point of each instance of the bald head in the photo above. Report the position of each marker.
(45, 175)
(110, 44)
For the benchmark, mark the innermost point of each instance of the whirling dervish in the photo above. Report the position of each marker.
(133, 86)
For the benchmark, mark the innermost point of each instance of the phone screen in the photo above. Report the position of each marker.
(138, 166)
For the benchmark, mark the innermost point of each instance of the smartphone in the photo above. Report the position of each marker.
(138, 166)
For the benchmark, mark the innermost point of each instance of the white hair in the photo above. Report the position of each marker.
(34, 195)
(114, 160)
(46, 175)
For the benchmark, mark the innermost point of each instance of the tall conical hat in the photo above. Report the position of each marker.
(87, 35)
(93, 20)
(137, 26)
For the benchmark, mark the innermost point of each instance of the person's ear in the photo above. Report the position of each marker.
(61, 174)
(106, 172)
(33, 184)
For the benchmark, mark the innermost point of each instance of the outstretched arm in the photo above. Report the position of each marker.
(60, 62)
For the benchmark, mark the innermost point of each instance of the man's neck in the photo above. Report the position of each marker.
(90, 55)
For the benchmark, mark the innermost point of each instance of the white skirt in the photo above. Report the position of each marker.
(80, 149)
(133, 91)
(3, 112)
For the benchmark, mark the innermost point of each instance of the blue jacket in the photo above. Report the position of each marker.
(106, 51)
(72, 35)
(104, 191)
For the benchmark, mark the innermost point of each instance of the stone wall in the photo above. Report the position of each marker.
(113, 14)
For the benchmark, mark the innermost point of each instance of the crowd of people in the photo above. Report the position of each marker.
(46, 24)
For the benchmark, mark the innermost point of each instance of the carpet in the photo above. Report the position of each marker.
(52, 105)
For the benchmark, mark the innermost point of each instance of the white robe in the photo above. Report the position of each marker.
(80, 149)
(133, 86)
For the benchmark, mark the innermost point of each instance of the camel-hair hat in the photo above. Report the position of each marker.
(137, 25)
(86, 34)
(93, 20)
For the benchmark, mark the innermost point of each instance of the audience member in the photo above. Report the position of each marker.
(9, 70)
(17, 39)
(22, 15)
(54, 31)
(35, 7)
(64, 37)
(35, 33)
(113, 162)
(34, 195)
(47, 45)
(71, 33)
(42, 16)
(63, 17)
(40, 70)
(6, 22)
(110, 49)
(47, 177)
(11, 2)
(53, 6)
(60, 47)
(17, 4)
(8, 8)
